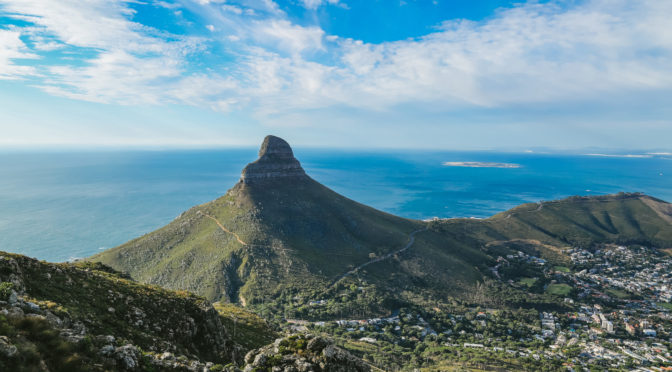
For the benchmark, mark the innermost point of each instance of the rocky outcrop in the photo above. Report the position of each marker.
(65, 317)
(97, 317)
(276, 161)
(303, 353)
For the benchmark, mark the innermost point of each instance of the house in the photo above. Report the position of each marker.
(648, 332)
(466, 344)
(370, 340)
(629, 328)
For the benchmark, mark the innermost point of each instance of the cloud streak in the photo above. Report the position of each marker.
(314, 4)
(13, 48)
(532, 53)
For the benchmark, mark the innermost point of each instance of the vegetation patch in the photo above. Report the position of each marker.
(559, 289)
(5, 290)
(246, 328)
(666, 305)
(618, 293)
(528, 282)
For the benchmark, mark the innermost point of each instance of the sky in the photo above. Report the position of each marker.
(439, 74)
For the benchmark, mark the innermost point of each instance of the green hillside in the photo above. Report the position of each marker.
(302, 233)
(286, 238)
(87, 317)
(547, 227)
(284, 244)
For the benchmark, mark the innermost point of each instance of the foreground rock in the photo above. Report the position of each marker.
(86, 317)
(303, 353)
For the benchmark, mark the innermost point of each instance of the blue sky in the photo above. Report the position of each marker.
(458, 74)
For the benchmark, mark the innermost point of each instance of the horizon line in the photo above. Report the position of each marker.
(585, 151)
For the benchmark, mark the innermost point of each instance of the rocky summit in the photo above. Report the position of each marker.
(276, 161)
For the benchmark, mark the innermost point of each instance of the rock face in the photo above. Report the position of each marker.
(276, 161)
(301, 352)
(43, 304)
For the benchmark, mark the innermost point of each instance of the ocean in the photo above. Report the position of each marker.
(58, 206)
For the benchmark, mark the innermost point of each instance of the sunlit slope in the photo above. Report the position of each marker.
(577, 221)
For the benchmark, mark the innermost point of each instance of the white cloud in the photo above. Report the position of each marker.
(269, 7)
(131, 63)
(206, 2)
(167, 5)
(314, 4)
(525, 55)
(12, 48)
(115, 76)
(530, 54)
(95, 24)
(232, 8)
(290, 37)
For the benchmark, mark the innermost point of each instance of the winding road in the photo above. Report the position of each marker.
(411, 241)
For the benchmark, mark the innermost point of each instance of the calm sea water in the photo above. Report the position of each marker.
(58, 206)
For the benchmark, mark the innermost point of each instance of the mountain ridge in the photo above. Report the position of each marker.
(280, 239)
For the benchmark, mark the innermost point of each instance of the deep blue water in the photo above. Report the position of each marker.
(57, 206)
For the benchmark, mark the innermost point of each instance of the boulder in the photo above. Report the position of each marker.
(6, 348)
(127, 356)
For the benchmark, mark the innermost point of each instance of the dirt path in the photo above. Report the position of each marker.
(224, 228)
(411, 241)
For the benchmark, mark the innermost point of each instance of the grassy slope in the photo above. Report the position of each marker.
(246, 328)
(109, 304)
(577, 221)
(301, 236)
(581, 221)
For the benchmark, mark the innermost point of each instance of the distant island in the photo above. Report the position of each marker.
(480, 164)
(625, 155)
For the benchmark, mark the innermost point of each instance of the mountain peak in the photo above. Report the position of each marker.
(275, 146)
(276, 160)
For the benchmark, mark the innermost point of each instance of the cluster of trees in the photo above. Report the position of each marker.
(348, 299)
(408, 342)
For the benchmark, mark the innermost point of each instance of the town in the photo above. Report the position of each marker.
(616, 315)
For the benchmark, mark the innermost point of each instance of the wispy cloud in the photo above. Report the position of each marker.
(287, 36)
(130, 63)
(532, 53)
(11, 49)
(314, 4)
